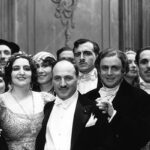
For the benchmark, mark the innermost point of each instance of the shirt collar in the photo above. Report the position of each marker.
(66, 103)
(92, 75)
(104, 91)
(144, 85)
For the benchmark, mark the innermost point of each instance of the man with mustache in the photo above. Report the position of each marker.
(71, 122)
(143, 63)
(86, 53)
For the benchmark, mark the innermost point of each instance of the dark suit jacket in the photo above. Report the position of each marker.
(83, 138)
(3, 145)
(129, 129)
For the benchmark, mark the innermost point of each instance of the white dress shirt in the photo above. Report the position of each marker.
(108, 94)
(87, 82)
(59, 126)
(145, 86)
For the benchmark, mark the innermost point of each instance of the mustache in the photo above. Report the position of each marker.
(82, 60)
(63, 87)
(147, 71)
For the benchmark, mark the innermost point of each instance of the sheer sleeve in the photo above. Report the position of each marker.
(47, 97)
(1, 102)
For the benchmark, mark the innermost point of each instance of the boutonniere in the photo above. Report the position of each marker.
(48, 97)
(87, 109)
(92, 121)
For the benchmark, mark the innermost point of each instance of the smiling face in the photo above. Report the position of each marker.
(111, 71)
(44, 71)
(144, 65)
(21, 73)
(85, 57)
(64, 79)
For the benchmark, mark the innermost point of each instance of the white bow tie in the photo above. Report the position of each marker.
(89, 76)
(144, 85)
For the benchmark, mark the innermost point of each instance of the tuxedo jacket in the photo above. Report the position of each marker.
(83, 138)
(3, 145)
(129, 129)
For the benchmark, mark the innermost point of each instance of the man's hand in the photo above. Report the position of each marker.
(105, 106)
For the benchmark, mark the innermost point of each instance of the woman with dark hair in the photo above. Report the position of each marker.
(44, 62)
(21, 109)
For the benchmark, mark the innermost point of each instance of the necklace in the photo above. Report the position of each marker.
(32, 124)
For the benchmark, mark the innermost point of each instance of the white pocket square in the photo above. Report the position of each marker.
(91, 121)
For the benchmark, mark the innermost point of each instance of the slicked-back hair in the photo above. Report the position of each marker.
(9, 66)
(59, 51)
(137, 57)
(79, 42)
(114, 52)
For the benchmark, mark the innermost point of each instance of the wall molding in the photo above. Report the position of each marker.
(65, 12)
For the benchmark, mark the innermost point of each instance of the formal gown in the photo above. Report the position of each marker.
(20, 131)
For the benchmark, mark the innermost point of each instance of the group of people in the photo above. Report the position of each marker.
(85, 99)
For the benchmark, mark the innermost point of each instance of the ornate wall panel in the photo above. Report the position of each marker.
(51, 24)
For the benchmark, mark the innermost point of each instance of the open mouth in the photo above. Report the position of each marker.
(21, 78)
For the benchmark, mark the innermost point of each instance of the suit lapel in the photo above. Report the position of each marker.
(121, 95)
(80, 118)
(47, 111)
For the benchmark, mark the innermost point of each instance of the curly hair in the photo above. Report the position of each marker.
(9, 65)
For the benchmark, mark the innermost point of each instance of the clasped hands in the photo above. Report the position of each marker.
(105, 106)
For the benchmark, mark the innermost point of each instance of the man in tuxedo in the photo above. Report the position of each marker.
(143, 63)
(127, 108)
(70, 122)
(86, 53)
(3, 145)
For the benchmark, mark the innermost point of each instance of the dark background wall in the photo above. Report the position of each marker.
(38, 25)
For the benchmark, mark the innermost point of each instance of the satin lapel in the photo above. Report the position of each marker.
(41, 138)
(47, 112)
(121, 94)
(80, 118)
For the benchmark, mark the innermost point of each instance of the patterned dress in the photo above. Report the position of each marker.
(20, 131)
